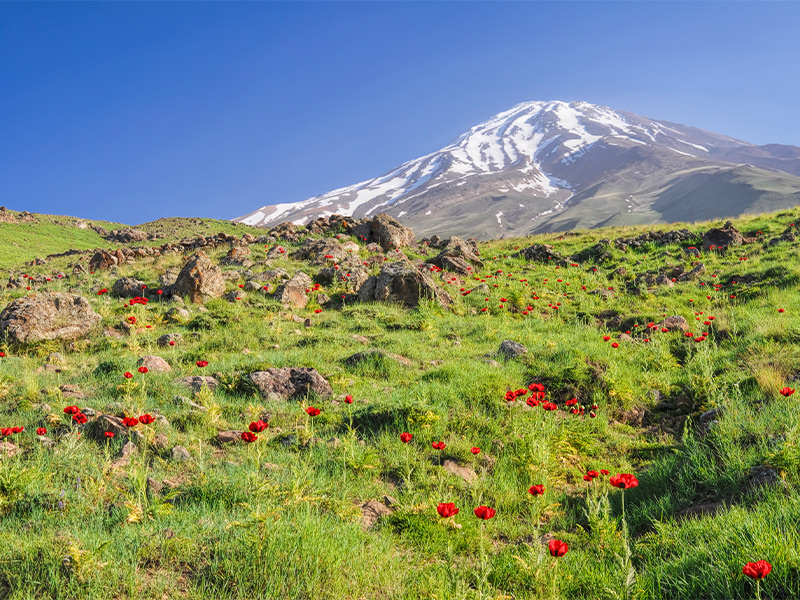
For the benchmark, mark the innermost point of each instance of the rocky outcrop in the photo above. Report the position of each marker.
(102, 260)
(47, 316)
(322, 251)
(458, 256)
(127, 287)
(238, 256)
(199, 279)
(383, 230)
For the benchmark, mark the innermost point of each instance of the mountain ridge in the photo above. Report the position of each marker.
(545, 166)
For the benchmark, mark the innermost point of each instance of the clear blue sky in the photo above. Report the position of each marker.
(133, 111)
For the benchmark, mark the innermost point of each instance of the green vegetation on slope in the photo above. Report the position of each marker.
(282, 517)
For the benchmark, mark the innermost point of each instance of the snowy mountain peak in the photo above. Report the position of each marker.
(540, 154)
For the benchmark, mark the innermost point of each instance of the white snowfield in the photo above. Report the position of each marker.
(516, 141)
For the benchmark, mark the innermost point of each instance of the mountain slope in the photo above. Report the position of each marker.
(543, 166)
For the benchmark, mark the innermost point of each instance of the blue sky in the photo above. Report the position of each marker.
(134, 111)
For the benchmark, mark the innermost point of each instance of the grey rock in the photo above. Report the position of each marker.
(47, 316)
(510, 349)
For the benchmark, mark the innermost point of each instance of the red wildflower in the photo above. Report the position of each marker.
(312, 412)
(786, 391)
(41, 431)
(172, 342)
(550, 406)
(615, 345)
(142, 369)
(603, 471)
(109, 434)
(475, 450)
(405, 437)
(146, 419)
(780, 310)
(202, 363)
(438, 445)
(6, 431)
(447, 510)
(128, 374)
(757, 570)
(484, 512)
(131, 319)
(593, 474)
(130, 421)
(258, 426)
(249, 437)
(80, 418)
(557, 548)
(348, 399)
(536, 490)
(71, 410)
(624, 481)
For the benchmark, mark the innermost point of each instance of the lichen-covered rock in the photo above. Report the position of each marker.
(385, 231)
(102, 260)
(320, 251)
(458, 256)
(47, 316)
(290, 382)
(156, 364)
(294, 290)
(127, 287)
(199, 279)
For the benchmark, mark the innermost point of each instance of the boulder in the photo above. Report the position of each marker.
(127, 287)
(199, 279)
(722, 237)
(47, 316)
(290, 383)
(180, 454)
(385, 231)
(126, 235)
(401, 282)
(156, 364)
(541, 253)
(102, 260)
(360, 357)
(294, 290)
(238, 256)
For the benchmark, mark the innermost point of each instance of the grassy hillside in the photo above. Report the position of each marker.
(282, 517)
(24, 237)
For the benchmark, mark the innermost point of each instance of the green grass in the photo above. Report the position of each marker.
(281, 518)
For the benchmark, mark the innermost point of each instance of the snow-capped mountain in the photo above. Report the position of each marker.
(556, 165)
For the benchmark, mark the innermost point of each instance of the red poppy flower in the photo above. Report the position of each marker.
(550, 406)
(142, 369)
(475, 450)
(249, 437)
(536, 490)
(348, 399)
(127, 375)
(109, 434)
(131, 319)
(484, 512)
(71, 410)
(41, 431)
(587, 478)
(312, 412)
(172, 342)
(786, 391)
(557, 548)
(202, 363)
(130, 421)
(2, 354)
(80, 418)
(757, 570)
(624, 481)
(780, 310)
(438, 445)
(17, 429)
(447, 510)
(603, 471)
(6, 431)
(405, 437)
(258, 426)
(615, 345)
(146, 419)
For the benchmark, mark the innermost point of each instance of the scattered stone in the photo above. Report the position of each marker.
(177, 315)
(674, 323)
(402, 283)
(71, 391)
(154, 486)
(100, 261)
(698, 511)
(763, 476)
(165, 339)
(160, 441)
(156, 364)
(180, 454)
(359, 357)
(510, 349)
(55, 358)
(708, 419)
(465, 473)
(722, 237)
(47, 316)
(7, 449)
(372, 511)
(229, 437)
(198, 382)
